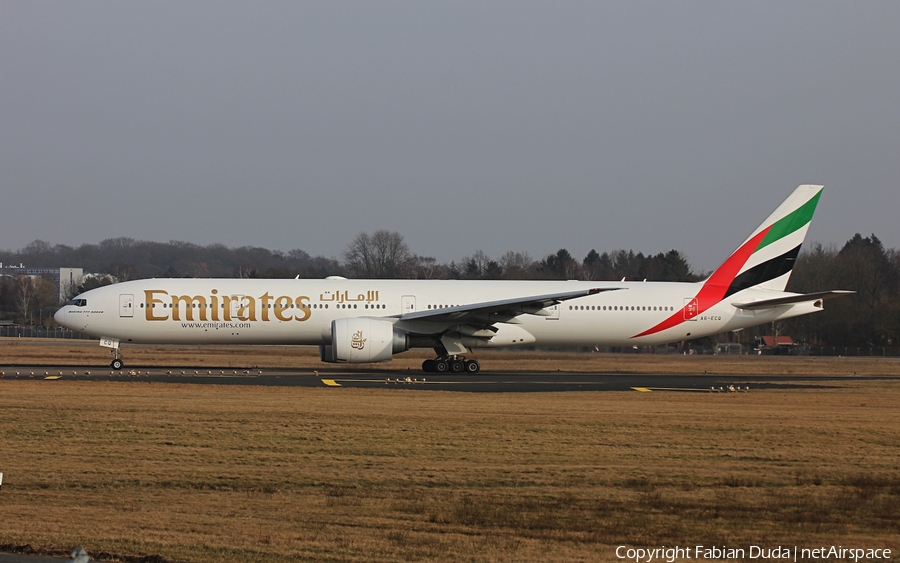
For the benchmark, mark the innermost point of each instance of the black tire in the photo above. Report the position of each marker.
(457, 366)
(428, 366)
(441, 366)
(116, 364)
(472, 366)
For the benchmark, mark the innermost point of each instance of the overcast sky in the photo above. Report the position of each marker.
(494, 126)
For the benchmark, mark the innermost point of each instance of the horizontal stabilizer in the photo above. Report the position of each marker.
(791, 299)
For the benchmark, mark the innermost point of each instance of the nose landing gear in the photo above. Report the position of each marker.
(112, 343)
(116, 364)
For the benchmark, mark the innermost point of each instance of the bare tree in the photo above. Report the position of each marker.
(424, 267)
(245, 271)
(24, 295)
(360, 256)
(516, 265)
(384, 254)
(123, 272)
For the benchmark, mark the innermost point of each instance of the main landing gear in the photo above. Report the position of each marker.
(451, 364)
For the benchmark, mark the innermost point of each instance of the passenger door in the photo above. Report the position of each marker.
(126, 305)
(408, 304)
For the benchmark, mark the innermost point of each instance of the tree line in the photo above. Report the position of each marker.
(869, 318)
(383, 254)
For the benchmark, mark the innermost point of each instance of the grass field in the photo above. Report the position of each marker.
(218, 473)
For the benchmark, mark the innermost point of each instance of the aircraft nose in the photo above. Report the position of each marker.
(60, 316)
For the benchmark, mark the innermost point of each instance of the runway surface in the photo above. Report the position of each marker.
(489, 382)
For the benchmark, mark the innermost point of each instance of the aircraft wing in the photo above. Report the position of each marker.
(791, 299)
(490, 312)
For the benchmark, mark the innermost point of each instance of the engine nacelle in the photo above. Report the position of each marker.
(361, 340)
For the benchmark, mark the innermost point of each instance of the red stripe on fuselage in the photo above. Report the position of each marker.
(713, 290)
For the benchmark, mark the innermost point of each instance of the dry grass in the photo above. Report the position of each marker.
(74, 352)
(220, 473)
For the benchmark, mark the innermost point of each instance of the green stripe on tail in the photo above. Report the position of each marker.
(790, 223)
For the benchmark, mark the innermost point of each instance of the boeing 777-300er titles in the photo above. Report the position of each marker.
(363, 321)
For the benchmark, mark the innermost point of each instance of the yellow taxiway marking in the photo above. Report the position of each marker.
(641, 389)
(52, 377)
(331, 383)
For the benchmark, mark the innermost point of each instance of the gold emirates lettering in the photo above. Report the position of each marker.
(160, 306)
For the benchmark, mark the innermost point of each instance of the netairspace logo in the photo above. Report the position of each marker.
(753, 552)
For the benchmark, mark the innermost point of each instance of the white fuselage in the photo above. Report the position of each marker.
(295, 311)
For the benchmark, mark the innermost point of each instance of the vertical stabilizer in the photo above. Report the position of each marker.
(766, 258)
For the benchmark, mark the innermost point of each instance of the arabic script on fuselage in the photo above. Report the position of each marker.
(345, 297)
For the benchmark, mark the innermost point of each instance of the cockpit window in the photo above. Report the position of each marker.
(78, 302)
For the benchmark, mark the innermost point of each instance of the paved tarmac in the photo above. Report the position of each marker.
(489, 382)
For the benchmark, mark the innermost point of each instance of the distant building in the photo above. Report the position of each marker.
(65, 279)
(772, 341)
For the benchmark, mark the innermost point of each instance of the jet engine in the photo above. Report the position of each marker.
(361, 340)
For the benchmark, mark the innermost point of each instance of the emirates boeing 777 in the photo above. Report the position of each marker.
(364, 321)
